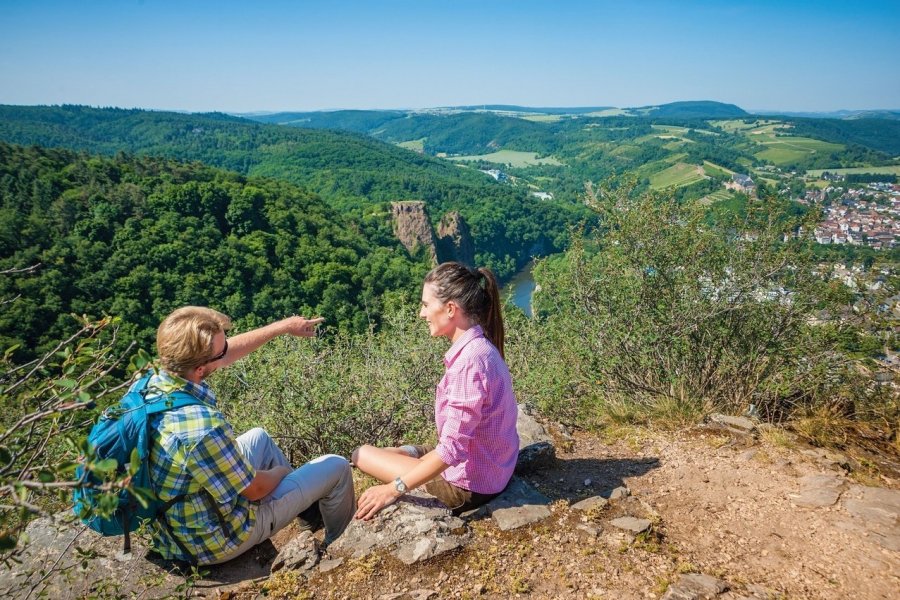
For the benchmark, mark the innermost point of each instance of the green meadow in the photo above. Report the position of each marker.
(786, 150)
(712, 169)
(543, 118)
(891, 170)
(416, 145)
(513, 158)
(678, 175)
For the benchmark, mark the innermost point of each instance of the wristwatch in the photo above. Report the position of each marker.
(401, 487)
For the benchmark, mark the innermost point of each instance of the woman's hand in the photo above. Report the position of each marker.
(374, 499)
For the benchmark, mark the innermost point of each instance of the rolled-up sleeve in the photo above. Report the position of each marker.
(216, 463)
(465, 392)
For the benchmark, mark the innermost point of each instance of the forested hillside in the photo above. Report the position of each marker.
(691, 146)
(137, 237)
(351, 172)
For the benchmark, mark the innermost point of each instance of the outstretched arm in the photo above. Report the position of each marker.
(243, 344)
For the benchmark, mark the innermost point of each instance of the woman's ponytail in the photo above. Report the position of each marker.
(492, 320)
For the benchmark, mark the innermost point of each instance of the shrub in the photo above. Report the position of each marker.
(46, 409)
(663, 310)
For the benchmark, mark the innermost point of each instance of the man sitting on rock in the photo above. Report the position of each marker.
(228, 493)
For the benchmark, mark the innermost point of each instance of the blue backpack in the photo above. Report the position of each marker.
(121, 435)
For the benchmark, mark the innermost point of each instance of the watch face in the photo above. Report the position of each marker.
(401, 487)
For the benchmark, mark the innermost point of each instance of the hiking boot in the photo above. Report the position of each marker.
(310, 519)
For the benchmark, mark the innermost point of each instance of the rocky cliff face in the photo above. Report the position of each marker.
(413, 228)
(455, 239)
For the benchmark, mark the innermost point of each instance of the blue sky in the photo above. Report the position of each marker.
(309, 55)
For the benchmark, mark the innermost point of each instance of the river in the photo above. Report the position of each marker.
(520, 289)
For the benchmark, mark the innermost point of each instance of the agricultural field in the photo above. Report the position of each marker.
(543, 118)
(609, 112)
(415, 145)
(780, 148)
(513, 158)
(787, 150)
(890, 170)
(712, 169)
(738, 125)
(678, 175)
(720, 195)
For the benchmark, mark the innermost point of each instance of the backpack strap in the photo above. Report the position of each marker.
(170, 402)
(166, 402)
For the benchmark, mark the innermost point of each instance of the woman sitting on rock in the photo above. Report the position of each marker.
(475, 408)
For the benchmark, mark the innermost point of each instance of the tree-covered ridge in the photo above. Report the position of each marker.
(350, 171)
(881, 134)
(137, 237)
(693, 109)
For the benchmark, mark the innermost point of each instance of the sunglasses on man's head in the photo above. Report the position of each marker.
(220, 355)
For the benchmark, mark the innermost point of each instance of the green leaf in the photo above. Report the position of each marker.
(135, 462)
(66, 383)
(143, 495)
(46, 476)
(5, 456)
(107, 465)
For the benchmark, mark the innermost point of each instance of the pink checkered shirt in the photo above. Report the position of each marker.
(475, 410)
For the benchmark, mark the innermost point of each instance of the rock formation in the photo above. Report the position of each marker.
(455, 239)
(412, 227)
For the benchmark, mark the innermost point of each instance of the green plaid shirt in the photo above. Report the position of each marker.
(194, 449)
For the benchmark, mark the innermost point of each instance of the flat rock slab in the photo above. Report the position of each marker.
(738, 424)
(876, 510)
(818, 490)
(520, 504)
(592, 503)
(415, 528)
(60, 549)
(631, 524)
(694, 586)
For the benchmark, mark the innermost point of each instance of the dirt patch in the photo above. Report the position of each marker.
(717, 506)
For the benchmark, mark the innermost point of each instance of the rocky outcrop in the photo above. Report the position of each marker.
(454, 240)
(412, 227)
(415, 528)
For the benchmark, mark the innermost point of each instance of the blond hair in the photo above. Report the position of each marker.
(184, 339)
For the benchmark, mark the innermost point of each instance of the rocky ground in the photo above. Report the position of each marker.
(710, 514)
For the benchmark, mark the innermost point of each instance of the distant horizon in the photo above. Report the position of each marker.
(752, 111)
(236, 57)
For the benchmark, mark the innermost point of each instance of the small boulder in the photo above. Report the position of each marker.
(694, 586)
(738, 425)
(536, 457)
(518, 505)
(530, 431)
(631, 524)
(620, 493)
(301, 553)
